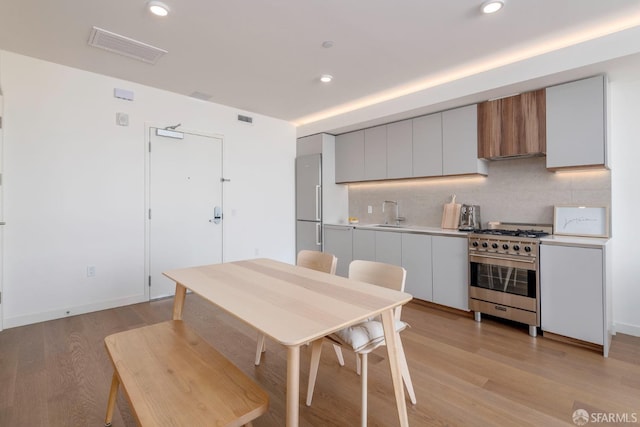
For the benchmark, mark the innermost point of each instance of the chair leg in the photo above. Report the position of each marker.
(363, 415)
(316, 350)
(358, 366)
(260, 348)
(338, 351)
(111, 403)
(404, 368)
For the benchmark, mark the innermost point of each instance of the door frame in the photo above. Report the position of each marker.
(147, 190)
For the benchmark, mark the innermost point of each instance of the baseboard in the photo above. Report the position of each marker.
(627, 329)
(13, 322)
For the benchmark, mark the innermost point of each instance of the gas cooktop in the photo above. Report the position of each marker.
(536, 234)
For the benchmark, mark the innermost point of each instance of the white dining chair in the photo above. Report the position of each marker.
(365, 337)
(320, 261)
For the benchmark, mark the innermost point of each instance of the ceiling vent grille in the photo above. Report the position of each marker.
(245, 119)
(116, 43)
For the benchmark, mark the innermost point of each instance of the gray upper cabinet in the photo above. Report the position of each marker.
(460, 142)
(576, 135)
(427, 145)
(400, 149)
(434, 145)
(350, 157)
(375, 153)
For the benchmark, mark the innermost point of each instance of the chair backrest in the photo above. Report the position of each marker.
(320, 261)
(377, 273)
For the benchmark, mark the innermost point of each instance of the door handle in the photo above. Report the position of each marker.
(319, 234)
(217, 215)
(318, 202)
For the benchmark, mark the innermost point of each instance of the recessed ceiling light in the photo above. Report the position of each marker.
(492, 6)
(158, 8)
(327, 44)
(326, 78)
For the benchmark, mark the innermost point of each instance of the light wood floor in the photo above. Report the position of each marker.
(465, 374)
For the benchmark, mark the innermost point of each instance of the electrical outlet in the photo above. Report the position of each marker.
(91, 271)
(369, 209)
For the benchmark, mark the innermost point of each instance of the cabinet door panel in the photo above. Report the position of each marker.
(399, 149)
(364, 244)
(350, 157)
(450, 271)
(389, 247)
(460, 142)
(416, 259)
(375, 153)
(576, 124)
(427, 145)
(571, 290)
(339, 242)
(489, 129)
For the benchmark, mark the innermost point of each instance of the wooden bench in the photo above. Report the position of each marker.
(172, 377)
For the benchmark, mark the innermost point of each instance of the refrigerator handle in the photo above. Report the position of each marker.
(318, 203)
(319, 234)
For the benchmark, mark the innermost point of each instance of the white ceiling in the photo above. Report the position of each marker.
(266, 56)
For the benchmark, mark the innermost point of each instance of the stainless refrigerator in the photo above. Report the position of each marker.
(309, 202)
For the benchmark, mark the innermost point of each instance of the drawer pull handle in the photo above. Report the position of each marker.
(500, 308)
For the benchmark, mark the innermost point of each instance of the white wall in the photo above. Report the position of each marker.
(74, 186)
(625, 158)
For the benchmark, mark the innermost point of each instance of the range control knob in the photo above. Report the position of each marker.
(494, 245)
(475, 244)
(505, 246)
(527, 248)
(516, 247)
(485, 244)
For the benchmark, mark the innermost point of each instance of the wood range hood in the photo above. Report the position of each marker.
(513, 127)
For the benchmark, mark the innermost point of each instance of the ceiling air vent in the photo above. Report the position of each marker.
(124, 46)
(245, 119)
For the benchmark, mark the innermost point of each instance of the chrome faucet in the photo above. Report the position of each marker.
(397, 218)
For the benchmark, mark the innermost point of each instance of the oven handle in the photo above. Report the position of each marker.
(527, 263)
(529, 260)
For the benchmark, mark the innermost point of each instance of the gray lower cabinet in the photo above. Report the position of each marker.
(416, 259)
(350, 157)
(338, 241)
(575, 115)
(573, 293)
(364, 244)
(380, 246)
(450, 271)
(389, 247)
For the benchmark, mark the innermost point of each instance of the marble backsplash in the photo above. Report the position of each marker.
(516, 190)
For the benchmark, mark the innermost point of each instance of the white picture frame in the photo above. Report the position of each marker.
(585, 221)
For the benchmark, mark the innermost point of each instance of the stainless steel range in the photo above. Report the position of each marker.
(503, 272)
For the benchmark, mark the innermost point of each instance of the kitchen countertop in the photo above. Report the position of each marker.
(587, 242)
(407, 229)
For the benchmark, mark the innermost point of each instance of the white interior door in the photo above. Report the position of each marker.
(185, 206)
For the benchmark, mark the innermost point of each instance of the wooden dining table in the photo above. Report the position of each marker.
(294, 305)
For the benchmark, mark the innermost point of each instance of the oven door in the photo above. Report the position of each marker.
(502, 274)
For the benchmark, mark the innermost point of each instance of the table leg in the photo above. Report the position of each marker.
(391, 338)
(293, 385)
(178, 301)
